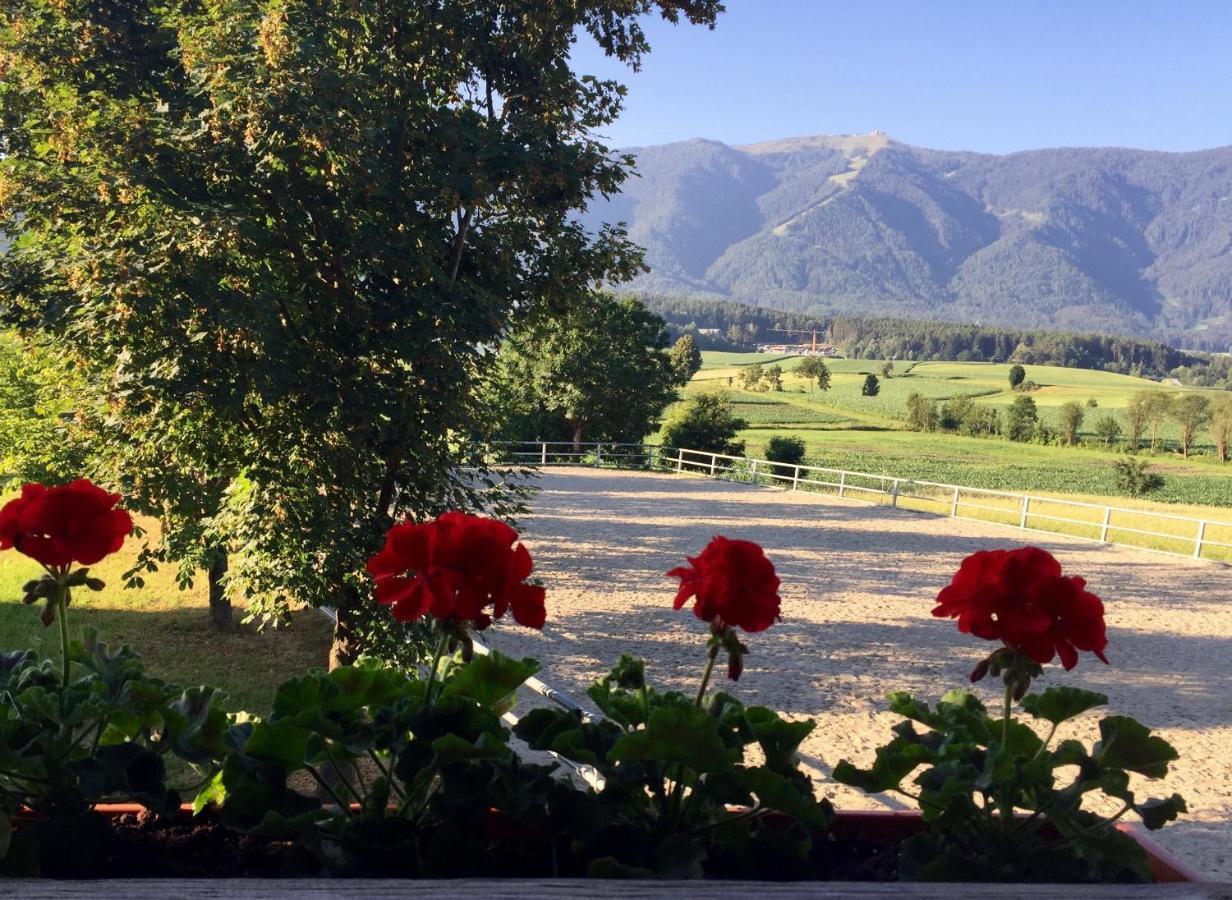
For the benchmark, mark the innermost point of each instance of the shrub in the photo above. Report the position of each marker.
(786, 449)
(871, 387)
(1069, 418)
(704, 422)
(1135, 478)
(1108, 429)
(1021, 419)
(1017, 375)
(922, 413)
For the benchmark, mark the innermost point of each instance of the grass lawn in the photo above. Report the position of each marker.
(170, 629)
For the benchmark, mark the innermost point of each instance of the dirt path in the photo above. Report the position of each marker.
(857, 588)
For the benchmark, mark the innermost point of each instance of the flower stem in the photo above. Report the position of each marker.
(1005, 725)
(701, 690)
(61, 598)
(436, 664)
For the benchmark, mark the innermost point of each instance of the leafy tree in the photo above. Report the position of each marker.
(774, 377)
(600, 365)
(686, 357)
(1156, 408)
(954, 411)
(37, 394)
(704, 422)
(815, 370)
(1137, 412)
(886, 368)
(1021, 419)
(284, 237)
(1221, 425)
(981, 419)
(751, 377)
(1092, 403)
(1108, 429)
(871, 386)
(1017, 375)
(1070, 417)
(921, 413)
(1191, 412)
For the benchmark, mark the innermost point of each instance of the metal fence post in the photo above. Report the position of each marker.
(1103, 529)
(954, 505)
(543, 453)
(598, 454)
(714, 461)
(842, 483)
(894, 493)
(753, 474)
(1200, 538)
(1026, 504)
(795, 479)
(679, 460)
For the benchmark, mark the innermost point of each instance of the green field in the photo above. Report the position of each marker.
(170, 629)
(844, 430)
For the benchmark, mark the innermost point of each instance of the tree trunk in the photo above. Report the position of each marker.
(577, 438)
(345, 648)
(220, 605)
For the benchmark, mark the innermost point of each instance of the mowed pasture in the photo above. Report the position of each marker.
(169, 627)
(844, 430)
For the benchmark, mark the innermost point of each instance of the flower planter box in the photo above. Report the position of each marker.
(1173, 879)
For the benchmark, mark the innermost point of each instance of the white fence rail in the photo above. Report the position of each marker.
(1123, 526)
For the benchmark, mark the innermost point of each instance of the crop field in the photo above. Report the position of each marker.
(844, 430)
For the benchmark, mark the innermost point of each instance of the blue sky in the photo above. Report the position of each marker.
(988, 75)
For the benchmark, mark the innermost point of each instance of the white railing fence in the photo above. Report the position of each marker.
(1138, 528)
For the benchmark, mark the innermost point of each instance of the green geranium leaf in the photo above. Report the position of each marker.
(276, 742)
(685, 736)
(1127, 744)
(491, 680)
(779, 738)
(1060, 703)
(786, 795)
(1156, 813)
(214, 793)
(894, 762)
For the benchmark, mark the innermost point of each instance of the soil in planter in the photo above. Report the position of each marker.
(143, 846)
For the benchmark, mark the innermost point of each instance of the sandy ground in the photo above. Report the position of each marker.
(858, 583)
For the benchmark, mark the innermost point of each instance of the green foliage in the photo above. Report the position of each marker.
(686, 357)
(774, 377)
(1003, 805)
(815, 370)
(751, 377)
(1221, 426)
(1191, 412)
(284, 277)
(1135, 478)
(704, 422)
(102, 738)
(1108, 429)
(671, 769)
(1017, 375)
(922, 414)
(1021, 419)
(599, 366)
(871, 387)
(417, 770)
(784, 449)
(1069, 417)
(37, 387)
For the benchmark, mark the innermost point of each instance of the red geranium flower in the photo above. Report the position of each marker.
(1020, 598)
(455, 567)
(734, 584)
(74, 522)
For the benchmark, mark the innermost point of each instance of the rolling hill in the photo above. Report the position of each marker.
(1111, 240)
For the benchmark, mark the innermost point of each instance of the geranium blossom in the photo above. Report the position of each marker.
(1020, 598)
(457, 567)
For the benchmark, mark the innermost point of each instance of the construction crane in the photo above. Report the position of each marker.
(804, 331)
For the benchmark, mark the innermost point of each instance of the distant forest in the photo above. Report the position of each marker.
(725, 325)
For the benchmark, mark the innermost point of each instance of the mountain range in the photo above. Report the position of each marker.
(1110, 240)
